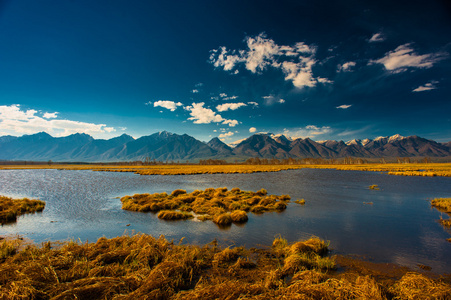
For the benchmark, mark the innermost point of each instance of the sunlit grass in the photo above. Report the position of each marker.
(11, 208)
(411, 169)
(143, 267)
(220, 205)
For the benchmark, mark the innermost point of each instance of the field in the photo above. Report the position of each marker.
(413, 169)
(143, 267)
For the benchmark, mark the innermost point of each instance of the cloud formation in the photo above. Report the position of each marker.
(222, 136)
(309, 131)
(15, 120)
(252, 129)
(344, 106)
(347, 67)
(229, 106)
(377, 37)
(295, 62)
(427, 87)
(171, 105)
(404, 57)
(202, 115)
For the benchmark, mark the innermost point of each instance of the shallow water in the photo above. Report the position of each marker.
(399, 227)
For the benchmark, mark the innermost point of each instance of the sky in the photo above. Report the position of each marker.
(337, 70)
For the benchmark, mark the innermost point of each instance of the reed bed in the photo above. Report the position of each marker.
(11, 208)
(409, 169)
(143, 267)
(220, 205)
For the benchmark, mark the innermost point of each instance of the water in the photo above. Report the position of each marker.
(400, 227)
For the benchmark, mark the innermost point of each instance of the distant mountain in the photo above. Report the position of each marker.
(166, 146)
(220, 147)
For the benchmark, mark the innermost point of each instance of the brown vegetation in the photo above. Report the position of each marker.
(220, 205)
(11, 208)
(143, 267)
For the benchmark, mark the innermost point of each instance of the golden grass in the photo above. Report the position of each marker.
(374, 187)
(443, 204)
(174, 215)
(299, 201)
(143, 267)
(411, 169)
(220, 205)
(11, 208)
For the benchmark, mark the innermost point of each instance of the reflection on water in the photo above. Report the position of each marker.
(399, 226)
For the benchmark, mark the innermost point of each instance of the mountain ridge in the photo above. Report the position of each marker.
(166, 146)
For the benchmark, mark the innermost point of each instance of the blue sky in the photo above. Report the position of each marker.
(321, 69)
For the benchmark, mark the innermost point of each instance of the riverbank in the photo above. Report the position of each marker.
(139, 266)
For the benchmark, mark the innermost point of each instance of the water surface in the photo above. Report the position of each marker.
(399, 227)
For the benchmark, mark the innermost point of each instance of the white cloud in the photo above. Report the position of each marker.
(404, 57)
(344, 106)
(15, 121)
(225, 135)
(296, 61)
(223, 95)
(201, 115)
(427, 87)
(229, 106)
(377, 37)
(171, 105)
(50, 115)
(199, 84)
(231, 123)
(255, 104)
(346, 67)
(270, 100)
(252, 129)
(195, 91)
(309, 131)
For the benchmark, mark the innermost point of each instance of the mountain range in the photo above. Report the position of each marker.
(165, 146)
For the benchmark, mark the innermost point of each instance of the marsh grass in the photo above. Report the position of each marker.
(443, 204)
(143, 267)
(413, 169)
(300, 201)
(220, 205)
(11, 208)
(174, 215)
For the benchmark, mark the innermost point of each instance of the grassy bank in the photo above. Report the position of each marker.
(143, 267)
(10, 208)
(443, 205)
(410, 169)
(220, 205)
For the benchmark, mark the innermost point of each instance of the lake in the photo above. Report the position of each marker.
(399, 227)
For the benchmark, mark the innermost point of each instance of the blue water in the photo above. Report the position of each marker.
(399, 227)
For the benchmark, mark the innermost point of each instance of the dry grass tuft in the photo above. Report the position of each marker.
(11, 208)
(417, 286)
(210, 204)
(239, 216)
(174, 215)
(143, 267)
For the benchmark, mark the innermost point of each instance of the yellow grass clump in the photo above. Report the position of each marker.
(11, 208)
(143, 267)
(299, 201)
(220, 205)
(174, 215)
(443, 204)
